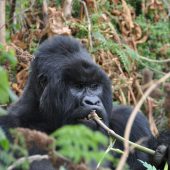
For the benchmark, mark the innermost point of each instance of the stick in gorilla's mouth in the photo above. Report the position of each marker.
(90, 122)
(83, 118)
(82, 113)
(88, 117)
(94, 116)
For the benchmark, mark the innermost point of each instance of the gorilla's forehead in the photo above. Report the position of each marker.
(82, 71)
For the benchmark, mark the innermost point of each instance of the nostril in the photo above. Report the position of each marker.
(97, 103)
(91, 101)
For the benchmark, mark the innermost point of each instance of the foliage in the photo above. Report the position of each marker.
(4, 86)
(166, 166)
(8, 151)
(6, 58)
(148, 166)
(27, 28)
(82, 141)
(4, 143)
(159, 36)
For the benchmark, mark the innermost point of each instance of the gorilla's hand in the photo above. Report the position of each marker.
(162, 155)
(162, 152)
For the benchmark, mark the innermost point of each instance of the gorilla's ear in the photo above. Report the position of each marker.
(42, 80)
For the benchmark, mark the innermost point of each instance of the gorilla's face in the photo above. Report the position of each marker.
(85, 92)
(74, 84)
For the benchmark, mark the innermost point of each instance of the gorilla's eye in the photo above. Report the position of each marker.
(79, 85)
(94, 86)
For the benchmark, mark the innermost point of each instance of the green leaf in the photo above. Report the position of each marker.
(99, 36)
(4, 143)
(166, 166)
(4, 86)
(79, 142)
(11, 57)
(7, 56)
(148, 166)
(2, 111)
(124, 59)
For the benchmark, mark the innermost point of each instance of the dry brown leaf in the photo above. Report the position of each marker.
(152, 124)
(124, 29)
(127, 15)
(40, 139)
(164, 49)
(56, 23)
(22, 77)
(137, 32)
(16, 88)
(116, 12)
(17, 40)
(142, 40)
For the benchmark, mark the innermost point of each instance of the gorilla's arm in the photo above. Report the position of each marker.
(140, 133)
(19, 115)
(25, 112)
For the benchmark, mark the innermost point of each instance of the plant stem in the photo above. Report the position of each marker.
(95, 117)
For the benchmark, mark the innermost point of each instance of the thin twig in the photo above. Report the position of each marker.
(132, 118)
(89, 24)
(155, 61)
(20, 13)
(105, 153)
(30, 159)
(94, 116)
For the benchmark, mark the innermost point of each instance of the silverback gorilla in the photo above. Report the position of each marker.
(63, 87)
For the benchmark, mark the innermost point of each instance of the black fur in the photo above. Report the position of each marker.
(140, 133)
(64, 85)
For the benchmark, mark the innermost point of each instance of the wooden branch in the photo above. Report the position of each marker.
(89, 24)
(67, 8)
(30, 159)
(95, 117)
(132, 118)
(2, 21)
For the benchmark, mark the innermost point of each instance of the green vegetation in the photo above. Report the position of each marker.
(126, 38)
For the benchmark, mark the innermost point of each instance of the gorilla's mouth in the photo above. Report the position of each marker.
(82, 116)
(87, 118)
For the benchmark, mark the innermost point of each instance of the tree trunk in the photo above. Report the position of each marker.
(2, 21)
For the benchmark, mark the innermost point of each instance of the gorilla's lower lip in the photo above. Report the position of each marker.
(83, 118)
(87, 122)
(82, 114)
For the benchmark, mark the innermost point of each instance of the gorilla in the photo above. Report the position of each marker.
(63, 87)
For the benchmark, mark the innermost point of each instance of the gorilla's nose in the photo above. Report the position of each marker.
(91, 101)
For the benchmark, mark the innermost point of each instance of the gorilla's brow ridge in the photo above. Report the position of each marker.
(82, 72)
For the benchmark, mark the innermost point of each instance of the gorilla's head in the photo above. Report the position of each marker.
(68, 84)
